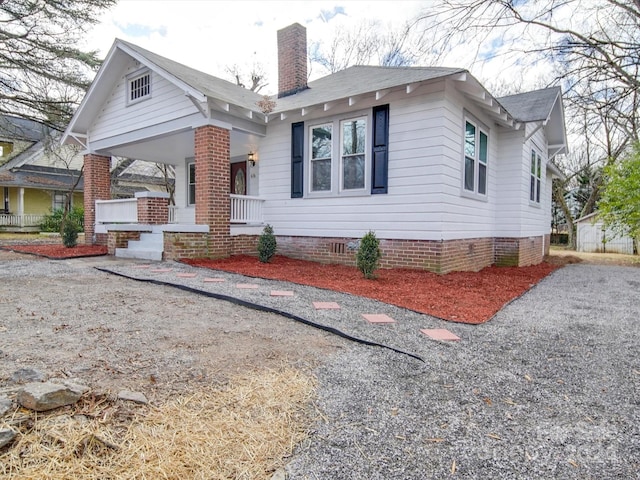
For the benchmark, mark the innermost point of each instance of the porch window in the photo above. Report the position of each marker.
(191, 183)
(321, 155)
(476, 144)
(139, 87)
(536, 174)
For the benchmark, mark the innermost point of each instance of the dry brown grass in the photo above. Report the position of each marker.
(243, 431)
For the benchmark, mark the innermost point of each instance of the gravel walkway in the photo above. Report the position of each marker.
(549, 388)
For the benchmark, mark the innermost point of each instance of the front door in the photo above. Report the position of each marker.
(239, 178)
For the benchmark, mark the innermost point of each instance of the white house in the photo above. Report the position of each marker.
(447, 176)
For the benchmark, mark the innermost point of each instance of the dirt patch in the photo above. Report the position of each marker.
(58, 251)
(116, 334)
(467, 297)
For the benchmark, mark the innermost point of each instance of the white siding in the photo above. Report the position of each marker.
(509, 194)
(425, 198)
(413, 206)
(167, 102)
(536, 218)
(464, 216)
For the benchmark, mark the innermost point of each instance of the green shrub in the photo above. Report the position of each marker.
(53, 221)
(70, 233)
(368, 256)
(267, 244)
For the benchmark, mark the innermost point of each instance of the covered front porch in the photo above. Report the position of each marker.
(215, 212)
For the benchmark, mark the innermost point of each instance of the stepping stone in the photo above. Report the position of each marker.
(187, 275)
(212, 280)
(246, 285)
(161, 270)
(440, 334)
(378, 318)
(326, 305)
(281, 293)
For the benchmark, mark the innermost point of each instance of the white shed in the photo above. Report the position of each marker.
(594, 237)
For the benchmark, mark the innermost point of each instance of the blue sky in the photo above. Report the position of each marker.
(213, 35)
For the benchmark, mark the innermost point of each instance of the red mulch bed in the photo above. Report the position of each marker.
(59, 252)
(466, 297)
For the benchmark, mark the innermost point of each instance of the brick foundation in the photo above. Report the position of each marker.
(97, 186)
(179, 245)
(118, 239)
(244, 245)
(435, 256)
(519, 252)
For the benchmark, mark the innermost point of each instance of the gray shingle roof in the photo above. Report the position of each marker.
(351, 81)
(14, 128)
(46, 178)
(531, 106)
(357, 80)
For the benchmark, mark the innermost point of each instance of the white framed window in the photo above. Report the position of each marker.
(535, 175)
(58, 200)
(353, 157)
(476, 158)
(138, 87)
(321, 157)
(338, 156)
(191, 183)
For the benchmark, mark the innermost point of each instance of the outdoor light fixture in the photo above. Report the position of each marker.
(251, 158)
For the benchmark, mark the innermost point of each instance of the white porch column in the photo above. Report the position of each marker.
(21, 205)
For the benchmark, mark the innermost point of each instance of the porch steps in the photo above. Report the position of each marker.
(149, 247)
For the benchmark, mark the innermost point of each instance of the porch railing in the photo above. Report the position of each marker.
(245, 209)
(123, 210)
(173, 217)
(27, 220)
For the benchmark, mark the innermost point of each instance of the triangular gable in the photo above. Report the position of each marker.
(109, 73)
(545, 108)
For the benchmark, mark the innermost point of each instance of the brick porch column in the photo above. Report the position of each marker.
(97, 186)
(153, 208)
(213, 204)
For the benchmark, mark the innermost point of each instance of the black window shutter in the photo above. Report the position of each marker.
(380, 153)
(297, 159)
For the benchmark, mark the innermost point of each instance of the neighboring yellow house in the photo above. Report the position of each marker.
(36, 174)
(34, 179)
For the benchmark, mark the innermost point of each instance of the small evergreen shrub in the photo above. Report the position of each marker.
(70, 233)
(53, 221)
(267, 244)
(369, 254)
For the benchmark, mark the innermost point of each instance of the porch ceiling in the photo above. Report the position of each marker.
(174, 148)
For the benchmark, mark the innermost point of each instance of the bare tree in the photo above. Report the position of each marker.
(255, 75)
(43, 74)
(365, 44)
(65, 157)
(590, 48)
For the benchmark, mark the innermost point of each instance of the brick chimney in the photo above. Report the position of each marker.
(292, 60)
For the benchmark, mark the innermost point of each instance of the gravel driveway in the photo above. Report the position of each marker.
(548, 389)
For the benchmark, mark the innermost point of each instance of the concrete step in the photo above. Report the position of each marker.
(139, 253)
(152, 238)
